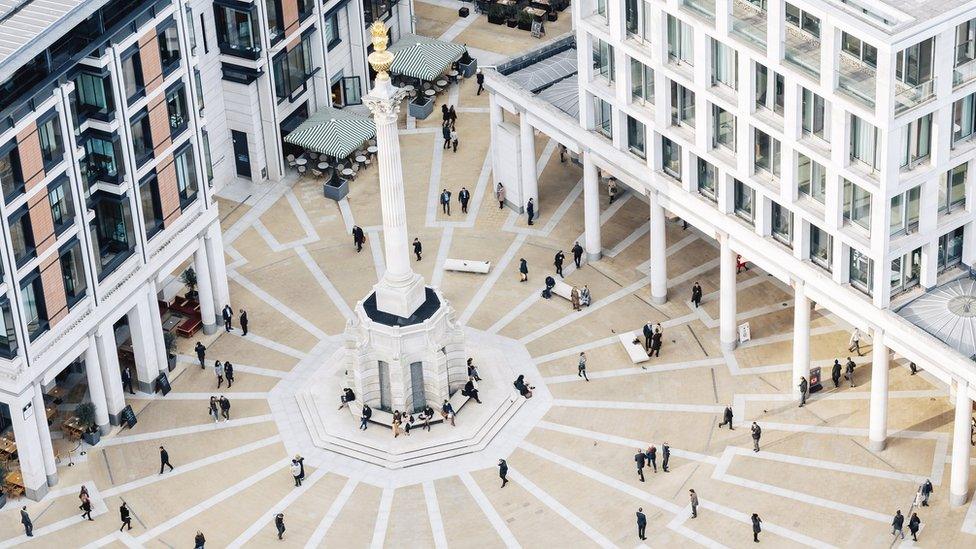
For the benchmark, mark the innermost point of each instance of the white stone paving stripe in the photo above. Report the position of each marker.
(828, 465)
(330, 517)
(576, 315)
(434, 182)
(280, 347)
(677, 525)
(196, 396)
(347, 218)
(628, 240)
(501, 528)
(573, 351)
(636, 370)
(376, 248)
(326, 284)
(192, 466)
(559, 508)
(279, 306)
(767, 526)
(622, 441)
(281, 505)
(213, 500)
(98, 509)
(434, 515)
(302, 216)
(493, 277)
(178, 431)
(382, 519)
(446, 237)
(646, 406)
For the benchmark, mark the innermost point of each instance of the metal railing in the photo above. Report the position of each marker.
(914, 96)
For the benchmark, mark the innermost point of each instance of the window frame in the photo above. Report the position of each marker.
(63, 185)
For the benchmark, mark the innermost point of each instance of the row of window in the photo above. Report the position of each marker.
(237, 25)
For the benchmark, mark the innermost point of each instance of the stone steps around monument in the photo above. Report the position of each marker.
(478, 441)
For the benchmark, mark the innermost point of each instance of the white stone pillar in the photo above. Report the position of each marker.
(659, 255)
(530, 183)
(214, 241)
(591, 208)
(727, 307)
(29, 451)
(401, 291)
(44, 434)
(801, 336)
(108, 360)
(961, 448)
(156, 325)
(204, 289)
(878, 429)
(143, 345)
(96, 386)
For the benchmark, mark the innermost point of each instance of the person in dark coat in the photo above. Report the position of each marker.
(756, 435)
(530, 210)
(201, 353)
(803, 386)
(464, 196)
(480, 79)
(229, 373)
(641, 523)
(648, 333)
(418, 248)
(358, 237)
(26, 521)
(898, 524)
(557, 261)
(835, 372)
(127, 380)
(656, 343)
(756, 528)
(471, 391)
(243, 320)
(926, 489)
(446, 134)
(124, 516)
(228, 315)
(577, 254)
(199, 541)
(652, 457)
(523, 270)
(86, 508)
(641, 459)
(696, 294)
(452, 116)
(503, 471)
(280, 524)
(550, 284)
(224, 407)
(727, 418)
(364, 419)
(445, 115)
(445, 197)
(665, 456)
(164, 460)
(914, 524)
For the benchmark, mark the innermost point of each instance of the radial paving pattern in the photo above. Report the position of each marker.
(573, 484)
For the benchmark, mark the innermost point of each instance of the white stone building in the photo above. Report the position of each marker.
(830, 142)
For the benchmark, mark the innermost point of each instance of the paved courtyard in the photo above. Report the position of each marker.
(292, 265)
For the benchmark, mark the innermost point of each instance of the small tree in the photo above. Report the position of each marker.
(86, 415)
(189, 277)
(170, 340)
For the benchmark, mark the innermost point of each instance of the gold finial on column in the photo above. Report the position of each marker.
(380, 59)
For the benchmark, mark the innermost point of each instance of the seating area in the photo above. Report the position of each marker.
(327, 168)
(632, 344)
(467, 266)
(182, 315)
(562, 289)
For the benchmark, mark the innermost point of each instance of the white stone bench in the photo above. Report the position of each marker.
(562, 289)
(381, 417)
(634, 350)
(467, 266)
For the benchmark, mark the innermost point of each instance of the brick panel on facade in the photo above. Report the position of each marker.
(55, 299)
(289, 15)
(169, 193)
(152, 65)
(42, 224)
(31, 163)
(159, 124)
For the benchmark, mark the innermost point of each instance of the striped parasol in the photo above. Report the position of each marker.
(422, 57)
(334, 132)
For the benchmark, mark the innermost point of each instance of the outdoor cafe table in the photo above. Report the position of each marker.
(430, 93)
(323, 165)
(7, 446)
(409, 88)
(360, 159)
(347, 172)
(535, 11)
(371, 149)
(441, 83)
(453, 75)
(301, 161)
(15, 478)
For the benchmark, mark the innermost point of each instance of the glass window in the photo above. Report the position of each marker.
(132, 76)
(198, 86)
(682, 105)
(141, 137)
(952, 189)
(32, 301)
(601, 7)
(863, 51)
(635, 137)
(352, 93)
(73, 272)
(102, 160)
(671, 158)
(904, 211)
(680, 45)
(22, 237)
(913, 65)
(857, 205)
(802, 20)
(305, 8)
(782, 224)
(707, 180)
(169, 48)
(151, 205)
(642, 83)
(603, 59)
(965, 42)
(186, 177)
(49, 136)
(276, 26)
(207, 160)
(62, 204)
(964, 118)
(861, 271)
(950, 249)
(723, 128)
(237, 31)
(176, 108)
(11, 176)
(813, 114)
(191, 31)
(112, 233)
(631, 16)
(603, 114)
(93, 97)
(906, 271)
(767, 153)
(8, 334)
(375, 10)
(917, 138)
(864, 143)
(725, 65)
(811, 178)
(770, 89)
(745, 200)
(821, 247)
(291, 70)
(332, 37)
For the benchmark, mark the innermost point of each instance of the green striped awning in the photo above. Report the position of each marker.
(334, 132)
(422, 57)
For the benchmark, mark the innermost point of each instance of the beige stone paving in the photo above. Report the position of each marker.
(465, 524)
(501, 39)
(433, 20)
(281, 222)
(354, 525)
(302, 517)
(409, 524)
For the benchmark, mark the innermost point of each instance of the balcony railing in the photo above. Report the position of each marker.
(803, 50)
(857, 80)
(701, 7)
(965, 69)
(749, 22)
(908, 97)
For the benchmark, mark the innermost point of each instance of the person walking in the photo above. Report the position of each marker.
(926, 490)
(641, 459)
(452, 116)
(523, 270)
(913, 367)
(855, 342)
(641, 523)
(577, 254)
(446, 201)
(756, 435)
(201, 353)
(652, 457)
(898, 524)
(127, 380)
(212, 409)
(530, 210)
(696, 294)
(86, 508)
(693, 498)
(26, 521)
(803, 386)
(243, 321)
(124, 516)
(464, 196)
(445, 115)
(574, 298)
(224, 407)
(219, 372)
(756, 527)
(835, 373)
(301, 465)
(500, 195)
(480, 79)
(665, 456)
(581, 367)
(364, 418)
(228, 315)
(199, 541)
(727, 418)
(648, 334)
(229, 373)
(914, 523)
(296, 473)
(164, 460)
(446, 134)
(849, 374)
(454, 139)
(418, 248)
(358, 238)
(503, 471)
(280, 524)
(83, 496)
(557, 261)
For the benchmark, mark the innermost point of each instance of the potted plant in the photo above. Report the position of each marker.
(552, 16)
(85, 412)
(524, 21)
(170, 340)
(336, 188)
(189, 277)
(511, 22)
(467, 65)
(496, 14)
(421, 107)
